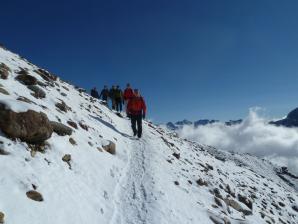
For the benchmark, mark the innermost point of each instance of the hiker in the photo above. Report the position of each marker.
(128, 94)
(104, 94)
(94, 93)
(118, 99)
(136, 108)
(112, 96)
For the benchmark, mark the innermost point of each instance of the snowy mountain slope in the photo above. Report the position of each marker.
(158, 179)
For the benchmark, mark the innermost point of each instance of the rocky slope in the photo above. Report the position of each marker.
(66, 158)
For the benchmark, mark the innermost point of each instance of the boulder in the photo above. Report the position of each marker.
(26, 79)
(2, 216)
(72, 141)
(295, 208)
(110, 148)
(4, 71)
(34, 195)
(38, 92)
(60, 128)
(66, 158)
(31, 126)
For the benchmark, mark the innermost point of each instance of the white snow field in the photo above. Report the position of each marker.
(159, 179)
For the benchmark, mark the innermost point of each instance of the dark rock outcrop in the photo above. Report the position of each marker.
(4, 71)
(31, 126)
(46, 75)
(26, 79)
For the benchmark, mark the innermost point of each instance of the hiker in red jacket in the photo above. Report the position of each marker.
(136, 109)
(127, 94)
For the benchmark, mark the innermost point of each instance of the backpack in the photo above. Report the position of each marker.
(118, 93)
(136, 104)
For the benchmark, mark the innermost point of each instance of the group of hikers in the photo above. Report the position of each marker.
(132, 100)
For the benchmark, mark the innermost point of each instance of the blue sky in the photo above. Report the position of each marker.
(191, 59)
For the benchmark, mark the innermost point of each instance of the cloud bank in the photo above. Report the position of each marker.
(254, 135)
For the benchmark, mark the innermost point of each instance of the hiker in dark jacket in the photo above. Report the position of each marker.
(118, 99)
(104, 94)
(113, 97)
(136, 109)
(94, 93)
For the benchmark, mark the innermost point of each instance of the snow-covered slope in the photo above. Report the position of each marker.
(158, 179)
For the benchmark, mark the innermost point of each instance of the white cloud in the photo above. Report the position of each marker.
(254, 136)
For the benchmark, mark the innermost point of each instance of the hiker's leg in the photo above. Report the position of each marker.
(117, 105)
(120, 105)
(133, 124)
(140, 129)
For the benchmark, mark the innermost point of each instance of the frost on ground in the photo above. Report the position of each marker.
(76, 178)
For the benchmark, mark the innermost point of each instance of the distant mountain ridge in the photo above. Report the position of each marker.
(202, 122)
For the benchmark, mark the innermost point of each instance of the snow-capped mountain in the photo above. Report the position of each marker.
(66, 158)
(184, 123)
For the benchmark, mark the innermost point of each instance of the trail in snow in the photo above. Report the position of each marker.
(131, 195)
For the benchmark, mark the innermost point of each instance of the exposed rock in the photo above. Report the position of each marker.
(61, 129)
(4, 71)
(26, 79)
(217, 201)
(62, 106)
(295, 208)
(38, 92)
(99, 149)
(176, 155)
(31, 126)
(110, 148)
(201, 182)
(3, 91)
(25, 99)
(217, 193)
(3, 152)
(2, 216)
(41, 84)
(66, 158)
(235, 205)
(72, 141)
(22, 72)
(34, 195)
(84, 126)
(46, 75)
(64, 87)
(73, 124)
(245, 201)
